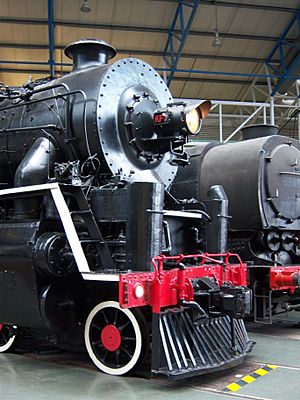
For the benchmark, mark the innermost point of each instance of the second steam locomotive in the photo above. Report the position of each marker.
(91, 241)
(260, 176)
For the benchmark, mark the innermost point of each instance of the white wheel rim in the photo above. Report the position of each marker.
(8, 344)
(138, 347)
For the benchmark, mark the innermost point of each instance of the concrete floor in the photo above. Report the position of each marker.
(72, 376)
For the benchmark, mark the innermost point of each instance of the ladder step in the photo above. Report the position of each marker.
(92, 241)
(80, 212)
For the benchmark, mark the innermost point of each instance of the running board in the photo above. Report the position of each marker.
(188, 348)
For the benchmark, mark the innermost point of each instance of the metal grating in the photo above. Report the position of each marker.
(196, 347)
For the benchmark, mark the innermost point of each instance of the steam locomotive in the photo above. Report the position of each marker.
(93, 244)
(260, 176)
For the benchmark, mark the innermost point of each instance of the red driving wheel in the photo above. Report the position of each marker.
(116, 339)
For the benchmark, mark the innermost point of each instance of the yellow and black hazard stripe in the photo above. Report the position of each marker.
(264, 370)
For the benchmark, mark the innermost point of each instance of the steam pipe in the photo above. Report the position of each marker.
(217, 208)
(34, 169)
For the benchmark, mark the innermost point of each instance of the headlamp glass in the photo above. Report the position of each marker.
(193, 121)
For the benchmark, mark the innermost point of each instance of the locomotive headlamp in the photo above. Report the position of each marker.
(195, 114)
(173, 125)
(193, 121)
(179, 120)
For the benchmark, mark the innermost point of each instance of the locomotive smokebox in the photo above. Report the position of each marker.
(89, 53)
(259, 130)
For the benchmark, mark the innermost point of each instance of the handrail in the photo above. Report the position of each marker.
(157, 261)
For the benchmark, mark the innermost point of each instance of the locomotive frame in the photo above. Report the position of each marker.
(169, 293)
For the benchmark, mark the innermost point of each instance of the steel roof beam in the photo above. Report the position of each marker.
(255, 7)
(289, 54)
(184, 16)
(223, 73)
(51, 27)
(24, 70)
(175, 78)
(143, 53)
(169, 70)
(74, 24)
(216, 80)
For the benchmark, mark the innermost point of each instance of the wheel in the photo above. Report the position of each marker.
(116, 339)
(8, 337)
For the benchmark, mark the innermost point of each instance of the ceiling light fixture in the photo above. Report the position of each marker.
(216, 43)
(85, 7)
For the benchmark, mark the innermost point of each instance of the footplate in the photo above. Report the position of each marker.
(187, 347)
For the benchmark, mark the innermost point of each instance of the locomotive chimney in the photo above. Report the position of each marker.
(258, 130)
(89, 53)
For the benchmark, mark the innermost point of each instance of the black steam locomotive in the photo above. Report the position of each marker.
(260, 176)
(91, 241)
